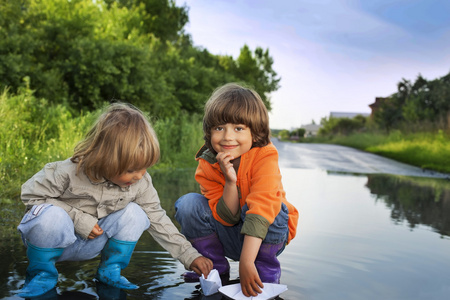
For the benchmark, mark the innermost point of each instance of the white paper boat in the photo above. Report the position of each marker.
(212, 284)
(270, 291)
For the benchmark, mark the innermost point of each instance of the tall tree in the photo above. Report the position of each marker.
(162, 18)
(83, 53)
(257, 70)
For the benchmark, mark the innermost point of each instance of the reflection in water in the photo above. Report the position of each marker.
(347, 246)
(416, 200)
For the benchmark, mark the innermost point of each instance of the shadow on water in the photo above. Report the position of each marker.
(359, 237)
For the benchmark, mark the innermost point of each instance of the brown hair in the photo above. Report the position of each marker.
(236, 104)
(122, 139)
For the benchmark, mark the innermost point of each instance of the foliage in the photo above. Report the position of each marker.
(299, 133)
(179, 138)
(342, 126)
(61, 60)
(422, 103)
(82, 53)
(162, 18)
(34, 132)
(252, 68)
(283, 134)
(414, 123)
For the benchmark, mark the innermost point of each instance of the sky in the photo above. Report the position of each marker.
(331, 55)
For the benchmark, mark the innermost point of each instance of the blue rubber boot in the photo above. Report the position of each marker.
(210, 247)
(115, 257)
(267, 263)
(41, 275)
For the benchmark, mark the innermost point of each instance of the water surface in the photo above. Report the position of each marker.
(359, 237)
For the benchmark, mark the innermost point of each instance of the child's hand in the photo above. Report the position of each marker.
(201, 265)
(226, 165)
(251, 284)
(96, 231)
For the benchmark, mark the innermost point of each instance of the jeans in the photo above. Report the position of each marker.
(49, 226)
(196, 220)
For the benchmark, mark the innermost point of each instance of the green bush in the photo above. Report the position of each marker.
(179, 138)
(34, 132)
(342, 126)
(81, 53)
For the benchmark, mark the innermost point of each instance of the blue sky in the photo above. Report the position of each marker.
(331, 55)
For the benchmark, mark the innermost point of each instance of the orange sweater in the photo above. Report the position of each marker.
(259, 185)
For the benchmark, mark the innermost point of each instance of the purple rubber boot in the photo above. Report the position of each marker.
(267, 263)
(210, 246)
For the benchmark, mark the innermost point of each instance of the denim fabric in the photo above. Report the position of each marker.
(49, 226)
(196, 220)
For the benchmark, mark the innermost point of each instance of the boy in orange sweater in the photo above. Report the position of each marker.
(242, 212)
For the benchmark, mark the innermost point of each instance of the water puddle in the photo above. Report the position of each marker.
(359, 237)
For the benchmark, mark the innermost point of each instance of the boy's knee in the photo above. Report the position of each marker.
(188, 203)
(191, 208)
(181, 202)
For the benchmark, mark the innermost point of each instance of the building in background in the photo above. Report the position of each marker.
(350, 115)
(311, 129)
(376, 105)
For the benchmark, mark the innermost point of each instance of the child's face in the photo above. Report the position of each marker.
(128, 178)
(235, 139)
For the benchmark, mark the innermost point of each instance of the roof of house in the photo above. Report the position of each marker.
(349, 115)
(311, 127)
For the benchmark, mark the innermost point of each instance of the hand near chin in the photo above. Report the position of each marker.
(226, 165)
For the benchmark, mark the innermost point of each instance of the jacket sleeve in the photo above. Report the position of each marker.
(265, 194)
(162, 228)
(47, 186)
(211, 183)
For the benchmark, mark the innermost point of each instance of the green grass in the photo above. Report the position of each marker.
(33, 133)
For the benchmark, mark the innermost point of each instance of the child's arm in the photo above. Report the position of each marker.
(230, 192)
(162, 229)
(251, 284)
(202, 265)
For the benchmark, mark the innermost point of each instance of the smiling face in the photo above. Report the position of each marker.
(128, 178)
(235, 104)
(235, 139)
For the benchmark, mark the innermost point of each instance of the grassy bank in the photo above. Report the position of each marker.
(428, 150)
(33, 133)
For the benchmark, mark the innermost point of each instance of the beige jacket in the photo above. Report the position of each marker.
(86, 202)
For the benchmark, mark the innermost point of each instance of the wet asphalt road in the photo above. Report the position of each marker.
(337, 158)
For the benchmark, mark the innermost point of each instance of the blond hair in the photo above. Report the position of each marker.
(236, 104)
(122, 139)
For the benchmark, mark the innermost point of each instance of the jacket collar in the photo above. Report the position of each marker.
(206, 154)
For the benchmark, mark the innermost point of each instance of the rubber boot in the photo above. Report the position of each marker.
(210, 246)
(41, 275)
(115, 257)
(267, 263)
